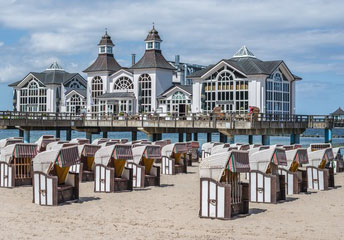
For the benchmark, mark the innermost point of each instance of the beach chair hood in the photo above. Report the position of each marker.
(174, 148)
(88, 150)
(214, 165)
(117, 151)
(64, 157)
(8, 141)
(260, 160)
(147, 151)
(80, 141)
(315, 157)
(18, 150)
(299, 155)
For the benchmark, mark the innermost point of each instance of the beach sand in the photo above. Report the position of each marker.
(169, 212)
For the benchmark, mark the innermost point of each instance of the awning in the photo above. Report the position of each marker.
(239, 162)
(25, 150)
(123, 151)
(67, 156)
(152, 152)
(279, 157)
(90, 150)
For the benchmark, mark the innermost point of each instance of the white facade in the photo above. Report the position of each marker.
(50, 91)
(244, 81)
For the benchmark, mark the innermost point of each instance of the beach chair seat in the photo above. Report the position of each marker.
(174, 160)
(16, 164)
(317, 178)
(53, 183)
(266, 185)
(222, 194)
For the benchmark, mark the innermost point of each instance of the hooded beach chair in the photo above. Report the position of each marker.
(192, 154)
(100, 140)
(266, 185)
(338, 154)
(85, 168)
(320, 172)
(206, 148)
(16, 164)
(110, 173)
(52, 182)
(222, 194)
(44, 140)
(8, 141)
(173, 159)
(80, 141)
(145, 173)
(161, 143)
(295, 175)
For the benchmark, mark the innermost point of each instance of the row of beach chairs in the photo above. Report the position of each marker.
(232, 175)
(55, 168)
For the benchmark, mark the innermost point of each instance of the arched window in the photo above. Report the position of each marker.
(123, 83)
(178, 96)
(145, 93)
(33, 98)
(75, 104)
(74, 84)
(278, 77)
(223, 89)
(97, 90)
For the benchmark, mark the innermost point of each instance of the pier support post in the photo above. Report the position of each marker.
(68, 135)
(156, 137)
(26, 136)
(21, 133)
(328, 135)
(223, 138)
(105, 134)
(250, 139)
(208, 137)
(195, 136)
(180, 137)
(133, 135)
(231, 139)
(89, 136)
(294, 139)
(265, 140)
(58, 133)
(188, 137)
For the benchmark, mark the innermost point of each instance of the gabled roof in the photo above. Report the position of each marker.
(338, 112)
(104, 62)
(53, 75)
(185, 88)
(153, 59)
(82, 92)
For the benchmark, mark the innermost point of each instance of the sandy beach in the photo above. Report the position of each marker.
(169, 212)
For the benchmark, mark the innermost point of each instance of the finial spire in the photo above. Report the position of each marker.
(106, 31)
(153, 25)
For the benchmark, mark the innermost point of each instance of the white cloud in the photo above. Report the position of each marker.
(1, 44)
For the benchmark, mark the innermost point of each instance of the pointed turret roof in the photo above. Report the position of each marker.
(244, 52)
(153, 58)
(153, 35)
(105, 61)
(338, 112)
(54, 66)
(106, 40)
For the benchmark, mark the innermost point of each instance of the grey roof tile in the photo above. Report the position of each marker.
(118, 95)
(104, 62)
(153, 59)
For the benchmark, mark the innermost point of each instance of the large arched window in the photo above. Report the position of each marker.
(75, 104)
(97, 90)
(33, 97)
(145, 93)
(223, 89)
(178, 96)
(277, 94)
(123, 83)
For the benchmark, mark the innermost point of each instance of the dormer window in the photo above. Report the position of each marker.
(157, 45)
(108, 49)
(150, 45)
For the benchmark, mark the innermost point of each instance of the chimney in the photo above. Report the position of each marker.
(177, 58)
(133, 58)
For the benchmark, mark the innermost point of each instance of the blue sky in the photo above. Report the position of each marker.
(307, 35)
